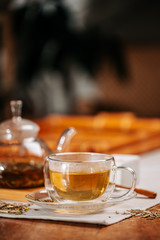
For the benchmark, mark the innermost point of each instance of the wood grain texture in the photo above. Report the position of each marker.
(14, 229)
(133, 229)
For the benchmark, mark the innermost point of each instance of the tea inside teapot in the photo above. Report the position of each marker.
(22, 152)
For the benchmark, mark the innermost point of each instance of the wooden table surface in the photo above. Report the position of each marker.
(134, 228)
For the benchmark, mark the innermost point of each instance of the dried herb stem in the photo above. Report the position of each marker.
(148, 214)
(14, 208)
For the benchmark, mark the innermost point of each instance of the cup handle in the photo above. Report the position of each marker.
(131, 189)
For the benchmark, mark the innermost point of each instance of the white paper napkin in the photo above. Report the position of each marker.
(149, 179)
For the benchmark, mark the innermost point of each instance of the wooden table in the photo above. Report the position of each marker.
(133, 228)
(19, 229)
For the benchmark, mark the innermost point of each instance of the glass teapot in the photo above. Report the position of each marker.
(22, 152)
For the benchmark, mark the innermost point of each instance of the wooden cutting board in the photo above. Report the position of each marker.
(104, 132)
(16, 194)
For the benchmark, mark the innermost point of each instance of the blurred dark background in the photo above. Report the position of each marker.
(80, 57)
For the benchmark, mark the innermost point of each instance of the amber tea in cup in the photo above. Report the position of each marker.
(80, 176)
(80, 186)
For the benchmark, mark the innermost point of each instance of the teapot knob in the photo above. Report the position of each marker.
(16, 109)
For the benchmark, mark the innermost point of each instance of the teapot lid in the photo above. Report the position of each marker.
(17, 128)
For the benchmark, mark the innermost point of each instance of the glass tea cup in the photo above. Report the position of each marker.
(82, 176)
